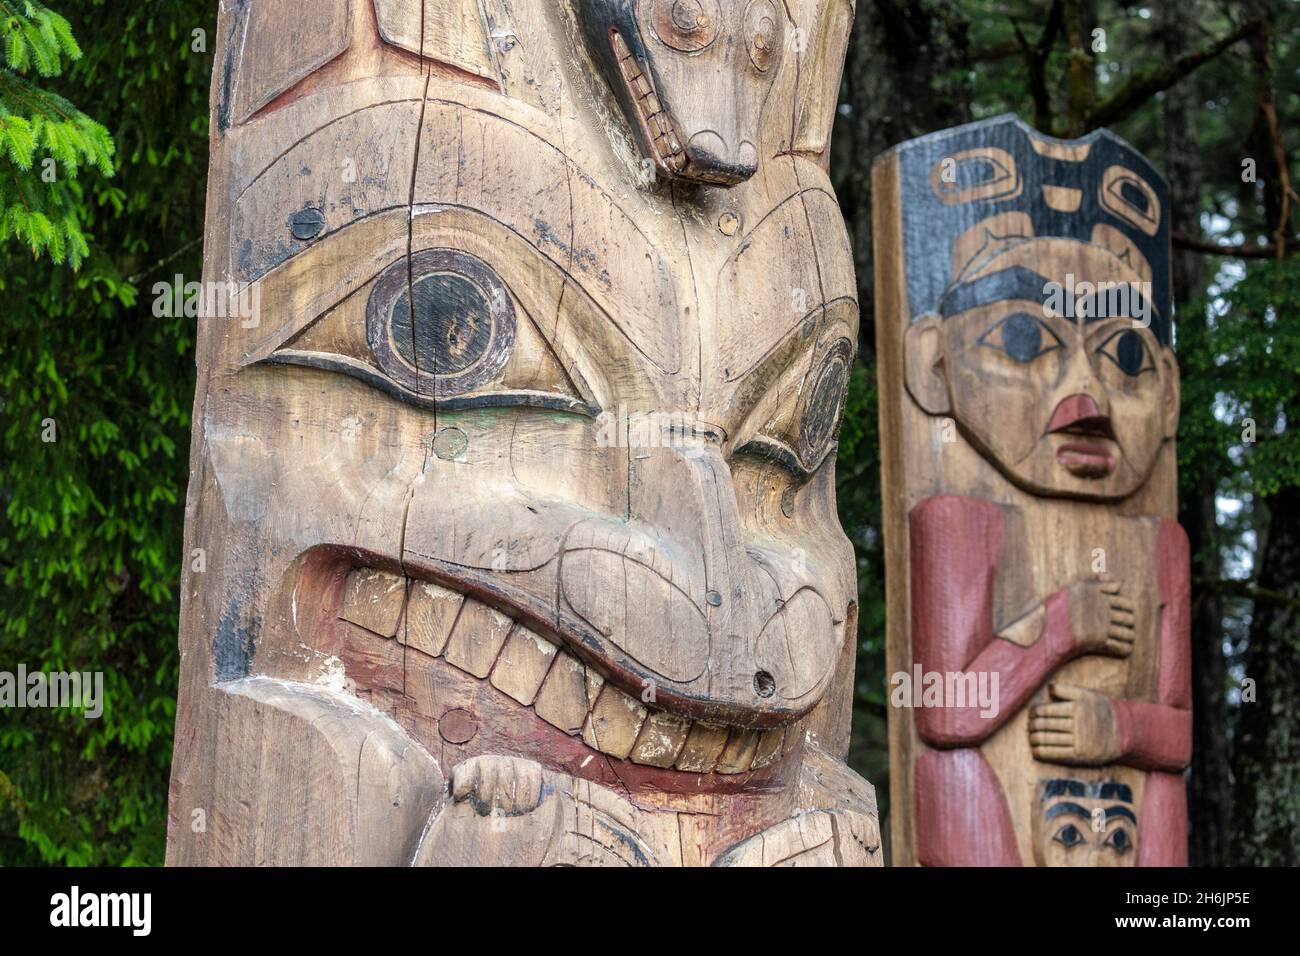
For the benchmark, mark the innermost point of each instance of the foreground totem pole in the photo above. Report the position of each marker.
(512, 510)
(1038, 586)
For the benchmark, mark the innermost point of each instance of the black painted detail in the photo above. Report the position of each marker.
(821, 417)
(459, 334)
(307, 223)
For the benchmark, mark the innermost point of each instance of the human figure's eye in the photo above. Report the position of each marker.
(1129, 351)
(1068, 835)
(1119, 841)
(1021, 336)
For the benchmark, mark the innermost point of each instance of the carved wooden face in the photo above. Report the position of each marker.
(1045, 335)
(504, 409)
(692, 77)
(1099, 391)
(1085, 823)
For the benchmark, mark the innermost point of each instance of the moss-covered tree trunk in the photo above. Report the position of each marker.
(1267, 759)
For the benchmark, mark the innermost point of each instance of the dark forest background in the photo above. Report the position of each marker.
(116, 95)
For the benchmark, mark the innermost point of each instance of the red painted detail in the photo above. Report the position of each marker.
(962, 817)
(1076, 411)
(1158, 736)
(956, 545)
(1162, 821)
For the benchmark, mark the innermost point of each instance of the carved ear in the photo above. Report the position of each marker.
(1172, 397)
(923, 362)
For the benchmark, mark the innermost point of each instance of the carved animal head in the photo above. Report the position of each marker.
(692, 77)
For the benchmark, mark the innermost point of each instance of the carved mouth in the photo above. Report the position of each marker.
(533, 670)
(1086, 460)
(656, 124)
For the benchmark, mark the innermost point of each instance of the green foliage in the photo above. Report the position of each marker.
(1241, 388)
(91, 524)
(40, 206)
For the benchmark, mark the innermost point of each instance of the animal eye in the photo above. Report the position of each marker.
(444, 326)
(686, 25)
(1127, 349)
(1119, 841)
(1021, 336)
(1068, 835)
(762, 34)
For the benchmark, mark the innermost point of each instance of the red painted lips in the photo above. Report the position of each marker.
(1079, 415)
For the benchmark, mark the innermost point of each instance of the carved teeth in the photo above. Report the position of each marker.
(477, 638)
(655, 120)
(562, 701)
(523, 665)
(614, 723)
(530, 669)
(661, 740)
(373, 599)
(703, 746)
(431, 613)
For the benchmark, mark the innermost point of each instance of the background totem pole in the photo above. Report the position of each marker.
(1038, 585)
(516, 498)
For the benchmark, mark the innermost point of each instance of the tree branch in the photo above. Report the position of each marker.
(1254, 251)
(1146, 84)
(1036, 57)
(1248, 590)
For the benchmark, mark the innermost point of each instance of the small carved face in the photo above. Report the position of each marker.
(692, 77)
(1085, 823)
(1042, 358)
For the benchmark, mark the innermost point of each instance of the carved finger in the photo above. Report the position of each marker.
(1052, 710)
(1060, 691)
(1118, 648)
(1052, 754)
(464, 779)
(1122, 604)
(1051, 738)
(1121, 632)
(1051, 723)
(1110, 587)
(1124, 618)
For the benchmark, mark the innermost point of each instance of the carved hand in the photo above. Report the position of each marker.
(1102, 617)
(1077, 728)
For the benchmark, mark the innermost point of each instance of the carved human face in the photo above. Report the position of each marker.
(1085, 823)
(1043, 359)
(692, 77)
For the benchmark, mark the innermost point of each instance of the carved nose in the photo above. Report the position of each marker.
(710, 159)
(1079, 413)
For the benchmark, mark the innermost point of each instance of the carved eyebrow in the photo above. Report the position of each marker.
(1059, 809)
(1098, 304)
(1113, 790)
(1016, 282)
(1121, 812)
(1061, 786)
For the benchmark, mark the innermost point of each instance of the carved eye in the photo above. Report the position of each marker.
(1128, 196)
(826, 403)
(458, 334)
(1068, 836)
(686, 25)
(975, 174)
(763, 34)
(1021, 336)
(1119, 841)
(1127, 349)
